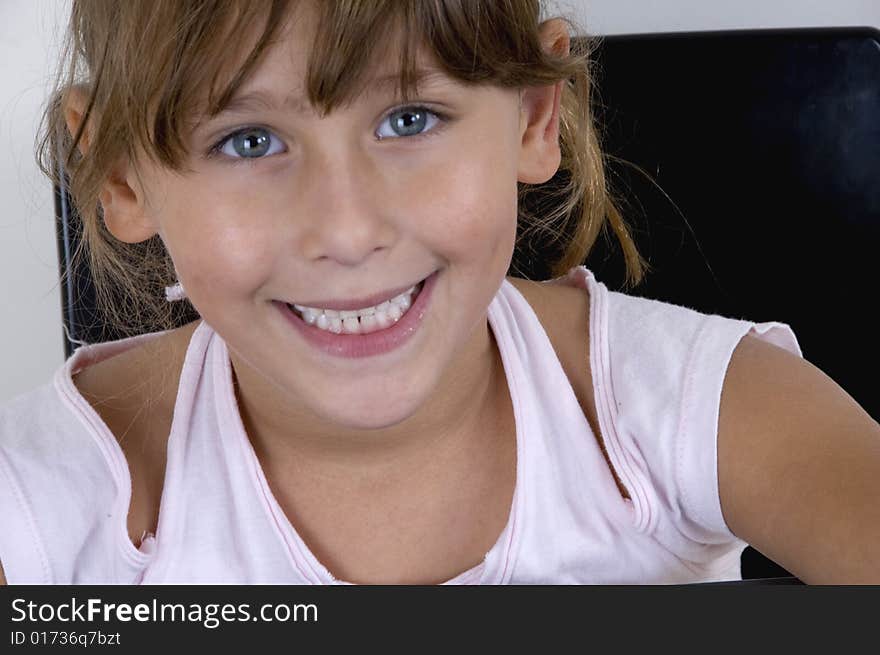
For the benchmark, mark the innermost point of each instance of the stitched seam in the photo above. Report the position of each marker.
(604, 392)
(257, 478)
(684, 422)
(111, 454)
(519, 424)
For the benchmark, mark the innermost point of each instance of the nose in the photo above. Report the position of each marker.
(345, 221)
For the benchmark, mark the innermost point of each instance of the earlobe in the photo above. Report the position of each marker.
(121, 196)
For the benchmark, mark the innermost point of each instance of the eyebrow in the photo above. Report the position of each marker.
(264, 100)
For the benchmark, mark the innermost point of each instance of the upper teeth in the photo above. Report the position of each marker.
(359, 321)
(402, 303)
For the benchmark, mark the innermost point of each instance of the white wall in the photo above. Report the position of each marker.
(31, 338)
(631, 16)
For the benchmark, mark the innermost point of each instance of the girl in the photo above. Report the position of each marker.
(362, 393)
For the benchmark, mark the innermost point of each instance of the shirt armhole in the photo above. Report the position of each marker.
(696, 449)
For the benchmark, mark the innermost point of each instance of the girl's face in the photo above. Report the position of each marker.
(369, 198)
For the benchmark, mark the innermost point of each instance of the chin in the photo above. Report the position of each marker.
(372, 415)
(372, 420)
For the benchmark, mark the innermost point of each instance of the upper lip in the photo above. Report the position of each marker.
(357, 303)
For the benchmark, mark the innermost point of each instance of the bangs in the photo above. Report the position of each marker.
(218, 46)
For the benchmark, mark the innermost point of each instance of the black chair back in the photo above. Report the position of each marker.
(765, 146)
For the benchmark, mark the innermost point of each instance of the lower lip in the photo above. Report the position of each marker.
(354, 346)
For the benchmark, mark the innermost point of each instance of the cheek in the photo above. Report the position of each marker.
(219, 242)
(472, 208)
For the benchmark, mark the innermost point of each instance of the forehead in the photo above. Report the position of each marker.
(351, 68)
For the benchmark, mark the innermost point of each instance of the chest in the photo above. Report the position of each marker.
(451, 529)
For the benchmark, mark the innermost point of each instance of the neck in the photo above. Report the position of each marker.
(469, 393)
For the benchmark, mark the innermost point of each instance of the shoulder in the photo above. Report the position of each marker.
(127, 373)
(798, 466)
(564, 313)
(137, 386)
(42, 437)
(134, 394)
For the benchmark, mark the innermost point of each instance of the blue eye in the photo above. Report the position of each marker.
(253, 143)
(411, 121)
(249, 143)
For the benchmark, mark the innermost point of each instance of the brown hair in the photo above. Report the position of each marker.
(145, 66)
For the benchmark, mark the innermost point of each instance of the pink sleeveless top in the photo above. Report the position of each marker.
(657, 374)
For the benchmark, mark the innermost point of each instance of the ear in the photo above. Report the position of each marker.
(539, 115)
(122, 196)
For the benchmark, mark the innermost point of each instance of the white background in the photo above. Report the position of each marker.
(31, 337)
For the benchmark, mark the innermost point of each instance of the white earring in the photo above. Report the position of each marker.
(175, 292)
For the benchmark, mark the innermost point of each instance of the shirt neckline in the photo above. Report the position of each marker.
(83, 357)
(496, 566)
